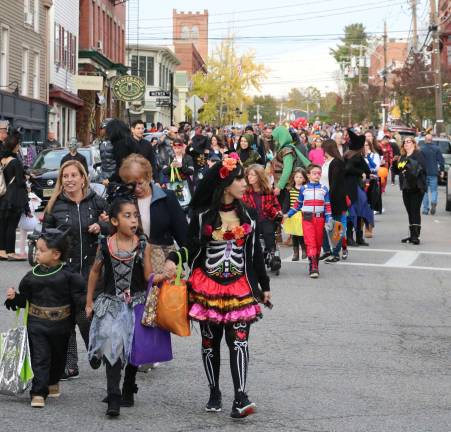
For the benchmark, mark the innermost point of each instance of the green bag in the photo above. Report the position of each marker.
(16, 373)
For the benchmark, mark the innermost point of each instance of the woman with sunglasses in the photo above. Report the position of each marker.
(411, 168)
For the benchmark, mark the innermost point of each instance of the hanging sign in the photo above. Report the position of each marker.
(128, 88)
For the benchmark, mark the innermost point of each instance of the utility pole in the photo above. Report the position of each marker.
(258, 113)
(280, 112)
(384, 109)
(436, 68)
(414, 25)
(171, 89)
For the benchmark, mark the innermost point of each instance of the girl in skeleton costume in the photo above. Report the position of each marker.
(227, 266)
(125, 259)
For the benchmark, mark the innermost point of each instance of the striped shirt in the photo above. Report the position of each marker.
(313, 198)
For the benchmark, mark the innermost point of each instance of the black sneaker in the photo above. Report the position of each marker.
(344, 254)
(325, 255)
(242, 407)
(332, 259)
(214, 404)
(70, 375)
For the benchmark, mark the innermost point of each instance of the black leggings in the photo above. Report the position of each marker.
(298, 241)
(268, 231)
(236, 335)
(113, 377)
(412, 201)
(9, 220)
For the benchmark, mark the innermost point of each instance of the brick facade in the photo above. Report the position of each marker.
(444, 13)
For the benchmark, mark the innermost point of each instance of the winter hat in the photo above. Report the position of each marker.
(356, 141)
(249, 139)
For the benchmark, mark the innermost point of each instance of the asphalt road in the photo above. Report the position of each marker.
(364, 348)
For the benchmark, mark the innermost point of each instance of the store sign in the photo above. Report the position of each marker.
(88, 82)
(159, 93)
(128, 88)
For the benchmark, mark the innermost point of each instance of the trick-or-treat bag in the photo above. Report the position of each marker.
(150, 344)
(180, 187)
(172, 308)
(15, 362)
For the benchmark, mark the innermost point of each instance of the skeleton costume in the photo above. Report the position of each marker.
(226, 268)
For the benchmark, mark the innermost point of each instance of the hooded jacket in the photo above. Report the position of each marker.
(287, 155)
(67, 214)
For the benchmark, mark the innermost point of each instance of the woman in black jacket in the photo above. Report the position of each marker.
(356, 169)
(227, 267)
(411, 168)
(334, 173)
(75, 207)
(15, 201)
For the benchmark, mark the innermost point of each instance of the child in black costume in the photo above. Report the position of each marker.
(54, 295)
(126, 260)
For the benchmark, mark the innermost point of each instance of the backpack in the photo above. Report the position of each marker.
(3, 185)
(299, 160)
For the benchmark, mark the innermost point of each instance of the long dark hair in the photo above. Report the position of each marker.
(117, 130)
(331, 148)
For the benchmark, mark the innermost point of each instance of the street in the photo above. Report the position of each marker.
(366, 347)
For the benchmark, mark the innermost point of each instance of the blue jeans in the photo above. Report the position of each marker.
(432, 184)
(326, 245)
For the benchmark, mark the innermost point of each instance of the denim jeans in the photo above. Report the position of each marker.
(326, 244)
(432, 184)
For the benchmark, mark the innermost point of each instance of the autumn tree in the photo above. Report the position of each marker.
(227, 83)
(267, 108)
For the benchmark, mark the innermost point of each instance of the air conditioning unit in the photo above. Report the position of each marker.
(99, 45)
(28, 18)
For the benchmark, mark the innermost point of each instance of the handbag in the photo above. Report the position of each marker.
(16, 373)
(28, 223)
(3, 184)
(180, 187)
(172, 309)
(149, 344)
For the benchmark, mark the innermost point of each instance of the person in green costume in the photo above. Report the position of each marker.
(288, 157)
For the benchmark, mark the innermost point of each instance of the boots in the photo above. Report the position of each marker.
(214, 404)
(415, 236)
(433, 208)
(408, 239)
(350, 236)
(304, 251)
(369, 231)
(114, 405)
(314, 272)
(129, 388)
(295, 253)
(359, 238)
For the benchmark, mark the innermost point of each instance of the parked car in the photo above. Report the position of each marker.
(448, 191)
(444, 144)
(44, 171)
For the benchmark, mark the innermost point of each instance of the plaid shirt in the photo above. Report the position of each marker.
(270, 206)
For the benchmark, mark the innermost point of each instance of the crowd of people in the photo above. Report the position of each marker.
(226, 197)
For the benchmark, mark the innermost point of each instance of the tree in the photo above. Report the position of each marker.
(306, 99)
(267, 110)
(224, 88)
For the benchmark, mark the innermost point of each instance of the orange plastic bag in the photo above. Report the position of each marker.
(172, 308)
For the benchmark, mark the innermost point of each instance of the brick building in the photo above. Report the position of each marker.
(23, 66)
(63, 57)
(190, 38)
(102, 55)
(444, 13)
(396, 56)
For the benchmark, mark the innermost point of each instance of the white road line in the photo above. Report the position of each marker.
(402, 259)
(365, 249)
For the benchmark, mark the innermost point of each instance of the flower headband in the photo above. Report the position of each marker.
(228, 165)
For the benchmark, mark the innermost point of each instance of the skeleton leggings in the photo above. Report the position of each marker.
(236, 335)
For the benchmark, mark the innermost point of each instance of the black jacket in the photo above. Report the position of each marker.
(412, 172)
(337, 187)
(144, 148)
(354, 168)
(16, 196)
(78, 157)
(254, 261)
(67, 214)
(167, 220)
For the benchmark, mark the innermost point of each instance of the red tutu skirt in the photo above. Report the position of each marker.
(220, 303)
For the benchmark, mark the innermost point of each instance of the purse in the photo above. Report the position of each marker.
(149, 316)
(149, 344)
(16, 373)
(180, 187)
(172, 309)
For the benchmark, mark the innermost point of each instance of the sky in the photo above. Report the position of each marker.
(292, 39)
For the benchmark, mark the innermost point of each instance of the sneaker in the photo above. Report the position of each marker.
(325, 255)
(70, 375)
(332, 259)
(426, 212)
(314, 274)
(214, 404)
(344, 254)
(242, 407)
(37, 402)
(433, 209)
(54, 391)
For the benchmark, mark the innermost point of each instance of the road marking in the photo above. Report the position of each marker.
(365, 249)
(402, 259)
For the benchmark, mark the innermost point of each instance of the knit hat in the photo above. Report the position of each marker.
(356, 141)
(249, 138)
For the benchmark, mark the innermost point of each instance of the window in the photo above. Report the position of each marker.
(28, 12)
(4, 54)
(25, 69)
(36, 76)
(448, 52)
(57, 58)
(143, 67)
(150, 71)
(195, 32)
(65, 49)
(36, 16)
(185, 32)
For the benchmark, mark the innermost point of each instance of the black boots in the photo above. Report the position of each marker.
(414, 237)
(313, 267)
(295, 253)
(114, 405)
(128, 395)
(214, 404)
(359, 238)
(407, 239)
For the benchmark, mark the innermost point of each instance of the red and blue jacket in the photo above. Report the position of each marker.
(313, 198)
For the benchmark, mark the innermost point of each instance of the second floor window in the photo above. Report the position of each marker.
(4, 54)
(143, 67)
(65, 49)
